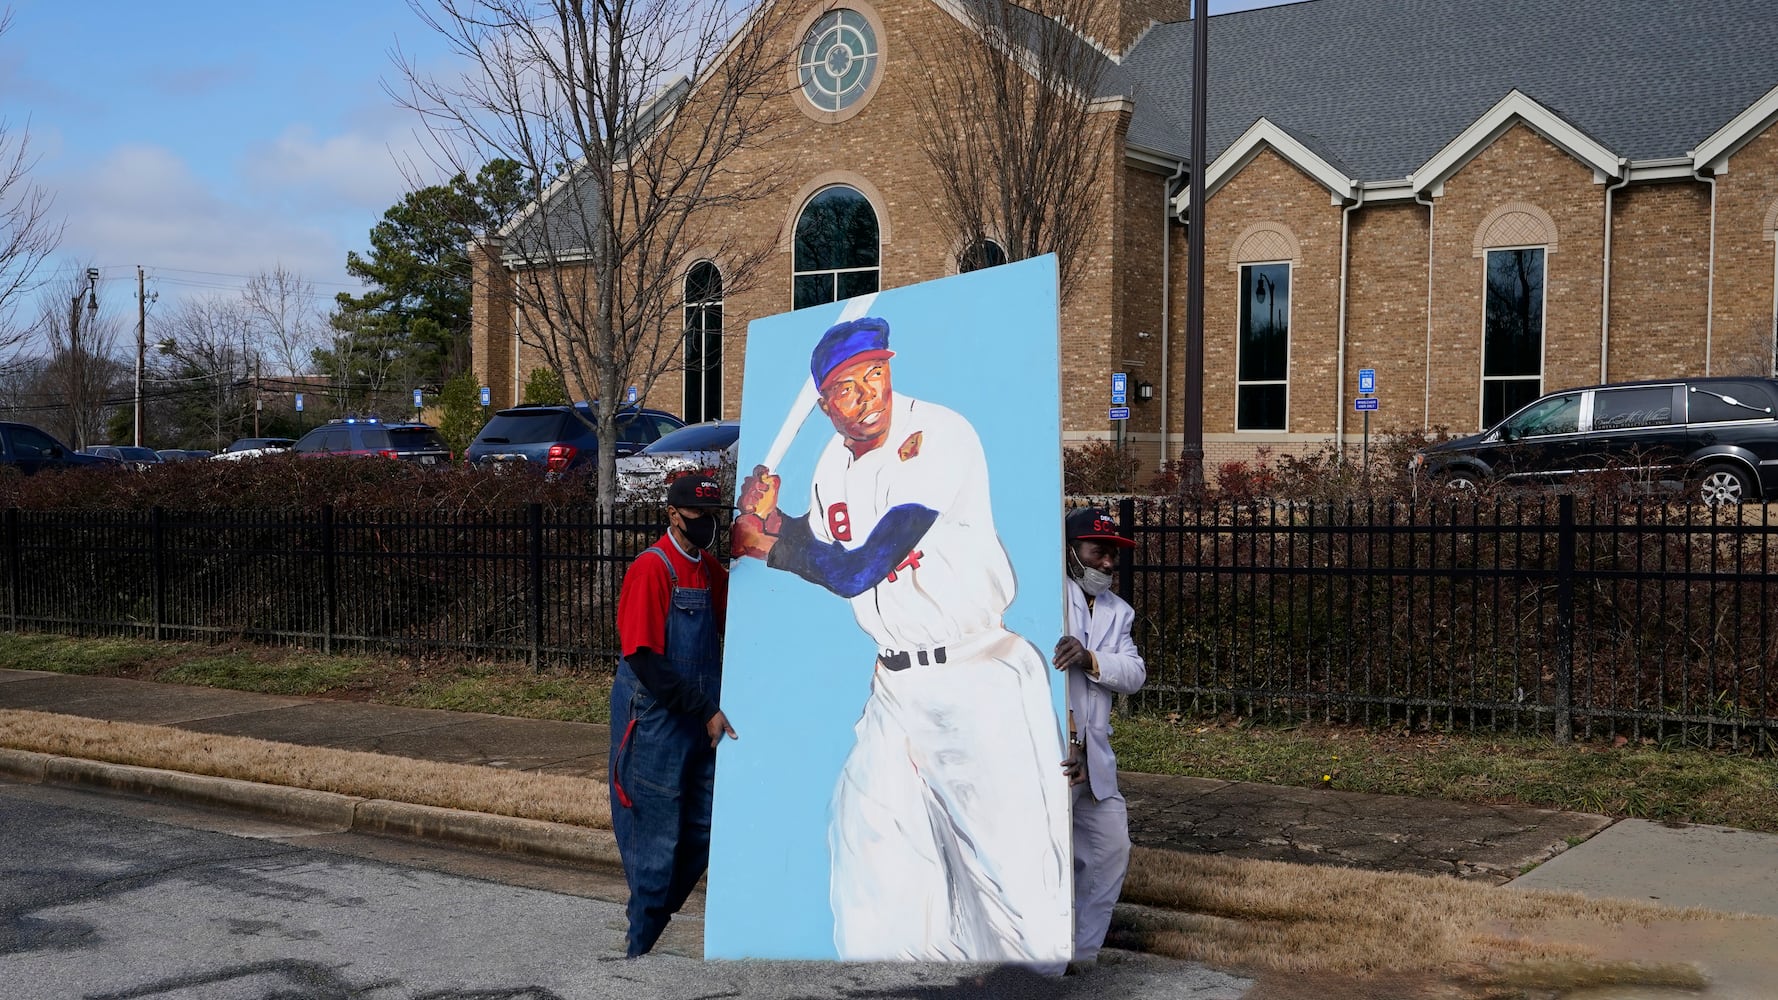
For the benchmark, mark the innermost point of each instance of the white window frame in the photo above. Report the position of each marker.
(1289, 345)
(834, 274)
(873, 60)
(1543, 338)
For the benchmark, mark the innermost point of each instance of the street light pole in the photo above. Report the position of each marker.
(1191, 457)
(76, 360)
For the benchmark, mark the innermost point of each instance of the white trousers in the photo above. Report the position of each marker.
(1101, 860)
(950, 819)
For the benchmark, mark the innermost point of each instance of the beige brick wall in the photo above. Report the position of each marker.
(1386, 312)
(490, 323)
(1519, 167)
(1272, 191)
(1660, 247)
(1745, 194)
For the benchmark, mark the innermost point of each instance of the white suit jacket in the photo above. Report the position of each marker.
(1105, 631)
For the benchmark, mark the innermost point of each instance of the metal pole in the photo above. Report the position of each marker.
(141, 349)
(1192, 452)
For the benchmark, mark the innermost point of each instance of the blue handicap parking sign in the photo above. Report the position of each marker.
(1367, 380)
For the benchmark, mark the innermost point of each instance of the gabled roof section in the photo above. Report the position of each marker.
(1513, 109)
(1713, 153)
(1302, 152)
(1386, 84)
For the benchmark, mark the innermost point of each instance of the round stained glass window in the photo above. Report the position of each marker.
(838, 60)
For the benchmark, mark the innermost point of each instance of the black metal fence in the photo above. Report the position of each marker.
(1548, 614)
(1551, 614)
(533, 582)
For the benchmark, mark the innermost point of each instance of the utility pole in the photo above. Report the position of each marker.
(141, 348)
(258, 397)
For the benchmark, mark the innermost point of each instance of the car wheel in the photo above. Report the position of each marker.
(1723, 483)
(1460, 479)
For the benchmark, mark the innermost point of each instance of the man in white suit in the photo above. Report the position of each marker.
(1101, 660)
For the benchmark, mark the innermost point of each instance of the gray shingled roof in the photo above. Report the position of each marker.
(1379, 86)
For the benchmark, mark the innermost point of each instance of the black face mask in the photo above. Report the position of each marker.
(699, 531)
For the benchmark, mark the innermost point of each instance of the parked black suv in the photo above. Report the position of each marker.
(370, 437)
(1717, 437)
(561, 438)
(29, 449)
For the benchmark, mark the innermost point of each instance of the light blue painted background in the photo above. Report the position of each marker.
(796, 667)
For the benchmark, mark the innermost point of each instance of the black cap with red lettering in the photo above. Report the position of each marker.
(695, 491)
(1094, 524)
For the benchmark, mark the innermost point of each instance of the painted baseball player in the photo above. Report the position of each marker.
(949, 829)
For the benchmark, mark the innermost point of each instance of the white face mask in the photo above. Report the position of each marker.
(1093, 581)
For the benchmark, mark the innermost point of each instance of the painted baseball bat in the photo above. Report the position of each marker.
(805, 399)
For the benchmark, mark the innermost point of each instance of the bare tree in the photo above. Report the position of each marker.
(207, 366)
(639, 110)
(285, 317)
(1010, 123)
(27, 234)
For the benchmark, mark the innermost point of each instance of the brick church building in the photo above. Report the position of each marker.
(1482, 202)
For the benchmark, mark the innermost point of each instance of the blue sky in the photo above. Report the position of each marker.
(207, 140)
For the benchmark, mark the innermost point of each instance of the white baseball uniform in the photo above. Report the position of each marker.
(949, 836)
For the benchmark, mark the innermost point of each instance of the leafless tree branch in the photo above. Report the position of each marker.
(1009, 125)
(27, 233)
(638, 111)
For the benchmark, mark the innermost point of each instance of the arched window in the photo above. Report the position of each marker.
(837, 248)
(984, 253)
(703, 343)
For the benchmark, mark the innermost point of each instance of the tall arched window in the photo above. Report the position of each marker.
(837, 248)
(703, 343)
(980, 254)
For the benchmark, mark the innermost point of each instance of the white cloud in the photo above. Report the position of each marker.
(144, 205)
(360, 169)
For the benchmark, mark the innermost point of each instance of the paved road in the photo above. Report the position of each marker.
(108, 898)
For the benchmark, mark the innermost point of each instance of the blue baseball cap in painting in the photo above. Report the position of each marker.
(866, 338)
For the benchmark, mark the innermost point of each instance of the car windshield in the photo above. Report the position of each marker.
(138, 454)
(1559, 415)
(697, 437)
(523, 427)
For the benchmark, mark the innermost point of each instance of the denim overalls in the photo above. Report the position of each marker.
(663, 770)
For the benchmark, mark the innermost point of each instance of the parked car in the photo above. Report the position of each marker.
(254, 447)
(708, 448)
(1716, 437)
(371, 438)
(30, 449)
(562, 438)
(183, 454)
(135, 458)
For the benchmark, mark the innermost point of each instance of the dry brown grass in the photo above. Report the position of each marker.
(555, 798)
(1292, 925)
(1272, 917)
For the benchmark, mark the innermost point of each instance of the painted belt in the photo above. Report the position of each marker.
(901, 659)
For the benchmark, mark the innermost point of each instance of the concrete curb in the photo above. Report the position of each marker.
(330, 810)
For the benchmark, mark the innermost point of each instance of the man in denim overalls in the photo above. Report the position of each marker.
(665, 723)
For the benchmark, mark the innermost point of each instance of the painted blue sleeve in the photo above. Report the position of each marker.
(850, 572)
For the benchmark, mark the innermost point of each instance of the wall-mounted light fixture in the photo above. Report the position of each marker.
(1144, 391)
(1142, 334)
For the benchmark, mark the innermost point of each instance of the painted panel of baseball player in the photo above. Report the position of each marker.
(948, 838)
(806, 815)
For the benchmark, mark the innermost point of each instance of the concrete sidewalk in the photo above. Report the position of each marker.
(1705, 866)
